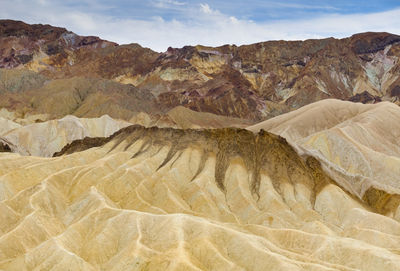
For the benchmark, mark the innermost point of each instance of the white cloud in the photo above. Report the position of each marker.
(206, 8)
(234, 20)
(176, 3)
(168, 4)
(208, 27)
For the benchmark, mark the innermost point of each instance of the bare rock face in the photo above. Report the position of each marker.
(253, 82)
(365, 97)
(156, 199)
(22, 43)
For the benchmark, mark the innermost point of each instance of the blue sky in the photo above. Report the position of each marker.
(161, 23)
(257, 10)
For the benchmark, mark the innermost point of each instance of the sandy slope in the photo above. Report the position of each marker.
(184, 118)
(359, 145)
(46, 138)
(7, 125)
(189, 119)
(165, 199)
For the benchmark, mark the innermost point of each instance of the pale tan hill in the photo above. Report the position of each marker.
(189, 119)
(7, 125)
(311, 118)
(4, 113)
(359, 145)
(22, 119)
(154, 120)
(184, 118)
(167, 199)
(46, 138)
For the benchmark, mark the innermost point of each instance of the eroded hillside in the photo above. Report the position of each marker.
(157, 199)
(357, 144)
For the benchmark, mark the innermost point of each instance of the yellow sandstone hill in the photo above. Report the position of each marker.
(357, 144)
(7, 125)
(184, 118)
(169, 199)
(46, 138)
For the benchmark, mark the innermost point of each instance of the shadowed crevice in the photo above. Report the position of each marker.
(143, 148)
(176, 159)
(4, 147)
(201, 166)
(172, 151)
(380, 201)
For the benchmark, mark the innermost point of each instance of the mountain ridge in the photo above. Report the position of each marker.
(254, 82)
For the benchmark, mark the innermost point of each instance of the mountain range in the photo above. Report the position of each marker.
(92, 77)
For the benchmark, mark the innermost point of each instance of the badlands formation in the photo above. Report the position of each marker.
(46, 138)
(212, 199)
(254, 157)
(357, 144)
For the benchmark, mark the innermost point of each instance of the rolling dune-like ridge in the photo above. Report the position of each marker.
(171, 199)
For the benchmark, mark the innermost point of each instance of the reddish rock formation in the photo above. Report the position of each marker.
(252, 82)
(365, 98)
(20, 42)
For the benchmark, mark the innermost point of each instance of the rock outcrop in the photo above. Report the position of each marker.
(253, 82)
(22, 43)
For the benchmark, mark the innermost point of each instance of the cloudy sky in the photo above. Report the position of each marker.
(159, 24)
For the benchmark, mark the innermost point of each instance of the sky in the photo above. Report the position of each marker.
(158, 24)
